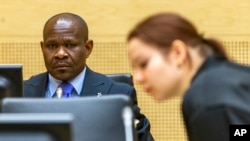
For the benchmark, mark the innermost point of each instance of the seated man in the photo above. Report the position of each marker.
(65, 48)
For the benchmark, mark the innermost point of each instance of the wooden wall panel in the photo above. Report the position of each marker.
(21, 24)
(111, 20)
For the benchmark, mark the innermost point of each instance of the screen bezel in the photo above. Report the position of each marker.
(55, 127)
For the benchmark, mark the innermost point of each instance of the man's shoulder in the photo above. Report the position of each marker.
(113, 82)
(36, 78)
(103, 77)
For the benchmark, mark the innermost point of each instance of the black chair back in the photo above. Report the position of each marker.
(122, 77)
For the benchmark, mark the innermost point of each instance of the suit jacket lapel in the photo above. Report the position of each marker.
(95, 83)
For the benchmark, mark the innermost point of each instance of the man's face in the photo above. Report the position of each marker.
(65, 48)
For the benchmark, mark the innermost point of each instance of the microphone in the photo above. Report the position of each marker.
(127, 116)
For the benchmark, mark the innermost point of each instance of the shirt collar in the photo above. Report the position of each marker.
(77, 82)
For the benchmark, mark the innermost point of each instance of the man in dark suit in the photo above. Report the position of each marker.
(65, 48)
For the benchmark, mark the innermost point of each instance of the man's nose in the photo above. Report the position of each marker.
(61, 52)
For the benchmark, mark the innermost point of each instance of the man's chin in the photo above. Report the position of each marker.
(62, 75)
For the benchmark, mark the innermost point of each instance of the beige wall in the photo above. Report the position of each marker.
(21, 23)
(111, 20)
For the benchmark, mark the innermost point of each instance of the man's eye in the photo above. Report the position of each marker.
(51, 45)
(70, 45)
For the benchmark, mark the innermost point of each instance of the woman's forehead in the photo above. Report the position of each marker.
(138, 49)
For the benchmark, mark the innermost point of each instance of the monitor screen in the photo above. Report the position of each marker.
(95, 118)
(11, 80)
(36, 127)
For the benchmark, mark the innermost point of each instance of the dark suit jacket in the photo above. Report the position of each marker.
(219, 96)
(95, 83)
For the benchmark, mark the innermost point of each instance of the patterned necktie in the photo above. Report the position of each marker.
(64, 90)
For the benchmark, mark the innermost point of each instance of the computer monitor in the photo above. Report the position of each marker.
(11, 80)
(36, 127)
(96, 118)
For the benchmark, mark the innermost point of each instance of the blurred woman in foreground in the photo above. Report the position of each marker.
(170, 58)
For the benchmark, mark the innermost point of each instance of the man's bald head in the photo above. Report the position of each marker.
(67, 18)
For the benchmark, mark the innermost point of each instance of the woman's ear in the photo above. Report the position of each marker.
(178, 52)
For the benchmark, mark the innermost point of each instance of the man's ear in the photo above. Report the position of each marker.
(89, 46)
(178, 52)
(41, 44)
